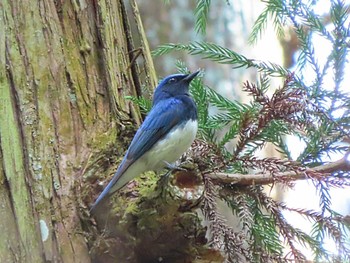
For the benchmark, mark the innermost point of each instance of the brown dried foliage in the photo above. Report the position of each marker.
(290, 105)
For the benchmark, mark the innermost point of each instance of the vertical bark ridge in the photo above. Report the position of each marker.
(64, 72)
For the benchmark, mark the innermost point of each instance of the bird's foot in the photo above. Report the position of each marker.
(162, 185)
(173, 166)
(163, 182)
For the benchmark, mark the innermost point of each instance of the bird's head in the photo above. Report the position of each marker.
(173, 85)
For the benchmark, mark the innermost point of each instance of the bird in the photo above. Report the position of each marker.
(166, 133)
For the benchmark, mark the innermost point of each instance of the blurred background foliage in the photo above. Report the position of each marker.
(228, 25)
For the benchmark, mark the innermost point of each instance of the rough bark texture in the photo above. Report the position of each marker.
(65, 67)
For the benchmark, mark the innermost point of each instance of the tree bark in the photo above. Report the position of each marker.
(65, 67)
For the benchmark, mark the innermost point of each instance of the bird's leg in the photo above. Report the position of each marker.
(163, 183)
(173, 166)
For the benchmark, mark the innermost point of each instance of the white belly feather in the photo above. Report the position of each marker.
(172, 146)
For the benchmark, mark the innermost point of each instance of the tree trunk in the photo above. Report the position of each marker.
(64, 71)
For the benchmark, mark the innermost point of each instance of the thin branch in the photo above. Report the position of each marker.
(268, 178)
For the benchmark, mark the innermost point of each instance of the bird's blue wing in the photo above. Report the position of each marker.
(162, 118)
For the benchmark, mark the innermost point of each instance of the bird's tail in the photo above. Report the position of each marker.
(112, 186)
(104, 196)
(101, 200)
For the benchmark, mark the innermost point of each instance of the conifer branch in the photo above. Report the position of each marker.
(292, 175)
(222, 235)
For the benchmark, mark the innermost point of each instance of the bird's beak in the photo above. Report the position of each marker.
(191, 76)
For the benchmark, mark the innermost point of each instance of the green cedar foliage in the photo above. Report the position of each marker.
(311, 110)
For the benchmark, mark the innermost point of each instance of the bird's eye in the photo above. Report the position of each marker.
(172, 80)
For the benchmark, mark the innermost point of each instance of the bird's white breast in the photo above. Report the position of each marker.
(172, 146)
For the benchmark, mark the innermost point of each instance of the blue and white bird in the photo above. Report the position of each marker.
(167, 132)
